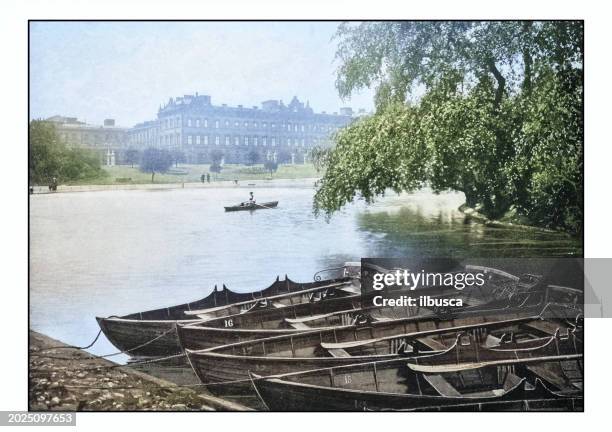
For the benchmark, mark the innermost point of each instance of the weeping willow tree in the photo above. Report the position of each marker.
(490, 109)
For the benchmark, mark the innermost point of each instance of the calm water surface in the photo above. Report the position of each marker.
(115, 252)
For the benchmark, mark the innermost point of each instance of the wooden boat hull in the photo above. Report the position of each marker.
(153, 332)
(313, 349)
(256, 206)
(141, 338)
(352, 388)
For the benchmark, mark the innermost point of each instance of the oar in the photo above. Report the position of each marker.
(269, 208)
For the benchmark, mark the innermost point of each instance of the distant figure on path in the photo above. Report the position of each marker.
(235, 181)
(208, 178)
(53, 185)
(202, 178)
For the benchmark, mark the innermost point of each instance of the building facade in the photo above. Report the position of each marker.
(201, 131)
(108, 140)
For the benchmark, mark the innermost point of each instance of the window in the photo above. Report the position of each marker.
(178, 122)
(236, 141)
(226, 123)
(273, 142)
(264, 141)
(205, 123)
(189, 139)
(246, 124)
(189, 122)
(236, 124)
(216, 139)
(255, 125)
(197, 122)
(255, 141)
(273, 125)
(227, 140)
(216, 124)
(303, 142)
(205, 139)
(295, 128)
(246, 141)
(302, 128)
(198, 139)
(264, 125)
(288, 126)
(295, 142)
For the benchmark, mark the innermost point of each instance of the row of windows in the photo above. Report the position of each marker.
(171, 123)
(236, 140)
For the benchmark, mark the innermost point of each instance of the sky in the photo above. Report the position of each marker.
(125, 70)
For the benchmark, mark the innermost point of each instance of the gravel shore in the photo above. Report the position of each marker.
(68, 379)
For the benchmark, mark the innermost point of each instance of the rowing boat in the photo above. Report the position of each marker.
(153, 332)
(252, 206)
(356, 343)
(333, 312)
(393, 385)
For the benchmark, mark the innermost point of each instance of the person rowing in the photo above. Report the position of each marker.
(250, 202)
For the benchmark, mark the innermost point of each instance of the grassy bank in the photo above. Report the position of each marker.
(186, 173)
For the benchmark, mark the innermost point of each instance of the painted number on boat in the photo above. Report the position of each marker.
(347, 379)
(228, 323)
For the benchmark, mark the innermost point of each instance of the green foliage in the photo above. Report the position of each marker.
(49, 157)
(216, 156)
(491, 109)
(155, 161)
(271, 166)
(215, 167)
(132, 156)
(283, 157)
(252, 157)
(372, 155)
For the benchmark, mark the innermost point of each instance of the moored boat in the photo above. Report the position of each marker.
(351, 344)
(393, 385)
(153, 332)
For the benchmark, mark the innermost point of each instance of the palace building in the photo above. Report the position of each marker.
(192, 125)
(109, 140)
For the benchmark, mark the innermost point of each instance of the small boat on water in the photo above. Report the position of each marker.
(541, 382)
(153, 332)
(252, 206)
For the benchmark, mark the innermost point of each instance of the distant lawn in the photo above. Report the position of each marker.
(184, 173)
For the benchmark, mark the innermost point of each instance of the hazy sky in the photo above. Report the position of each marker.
(123, 70)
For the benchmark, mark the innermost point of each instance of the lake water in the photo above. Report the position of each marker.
(114, 252)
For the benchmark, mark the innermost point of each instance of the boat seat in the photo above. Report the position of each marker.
(351, 289)
(549, 377)
(300, 326)
(431, 343)
(278, 305)
(441, 385)
(338, 352)
(542, 326)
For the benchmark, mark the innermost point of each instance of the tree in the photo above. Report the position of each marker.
(132, 156)
(252, 157)
(50, 157)
(283, 157)
(271, 166)
(491, 109)
(216, 156)
(215, 167)
(155, 161)
(178, 156)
